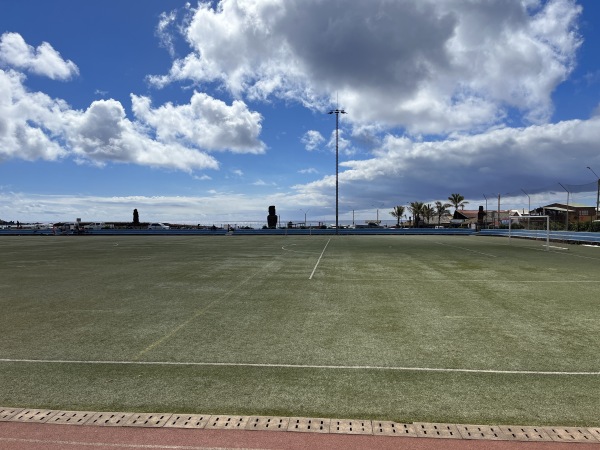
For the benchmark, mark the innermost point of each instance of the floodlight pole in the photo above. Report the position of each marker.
(529, 198)
(598, 192)
(529, 210)
(337, 113)
(305, 215)
(377, 220)
(486, 212)
(498, 210)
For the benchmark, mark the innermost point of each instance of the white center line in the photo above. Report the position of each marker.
(307, 366)
(319, 260)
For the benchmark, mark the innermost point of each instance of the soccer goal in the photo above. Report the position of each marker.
(530, 227)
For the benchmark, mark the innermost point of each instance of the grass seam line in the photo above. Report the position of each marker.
(468, 250)
(301, 366)
(199, 312)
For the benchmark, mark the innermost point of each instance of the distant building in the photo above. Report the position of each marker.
(468, 217)
(576, 212)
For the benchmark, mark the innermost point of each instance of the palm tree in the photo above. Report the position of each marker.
(441, 209)
(398, 212)
(458, 201)
(416, 208)
(428, 212)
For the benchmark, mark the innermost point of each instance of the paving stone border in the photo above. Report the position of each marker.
(303, 424)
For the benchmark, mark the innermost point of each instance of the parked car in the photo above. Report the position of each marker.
(94, 226)
(158, 226)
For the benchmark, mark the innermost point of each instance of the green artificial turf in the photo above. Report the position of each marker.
(440, 302)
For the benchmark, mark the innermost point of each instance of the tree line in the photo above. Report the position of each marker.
(428, 211)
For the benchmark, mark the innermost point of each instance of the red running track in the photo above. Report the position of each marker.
(30, 436)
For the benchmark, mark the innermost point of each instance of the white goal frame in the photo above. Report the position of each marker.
(542, 233)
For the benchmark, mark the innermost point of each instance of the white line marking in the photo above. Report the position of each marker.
(296, 251)
(467, 249)
(319, 260)
(298, 366)
(487, 280)
(543, 249)
(201, 311)
(577, 256)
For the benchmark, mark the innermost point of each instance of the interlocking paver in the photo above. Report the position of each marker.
(263, 423)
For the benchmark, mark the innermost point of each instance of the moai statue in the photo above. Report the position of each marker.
(272, 218)
(480, 216)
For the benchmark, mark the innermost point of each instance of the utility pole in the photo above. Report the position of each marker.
(337, 113)
(498, 210)
(597, 193)
(529, 210)
(305, 215)
(486, 212)
(529, 198)
(567, 213)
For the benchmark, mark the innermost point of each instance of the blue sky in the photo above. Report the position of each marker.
(212, 111)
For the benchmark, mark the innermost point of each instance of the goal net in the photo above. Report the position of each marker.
(530, 227)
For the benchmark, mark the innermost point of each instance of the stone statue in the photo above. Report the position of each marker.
(272, 218)
(480, 216)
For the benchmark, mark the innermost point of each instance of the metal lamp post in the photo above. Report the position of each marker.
(529, 198)
(305, 215)
(498, 210)
(529, 210)
(598, 192)
(377, 207)
(567, 213)
(337, 113)
(486, 212)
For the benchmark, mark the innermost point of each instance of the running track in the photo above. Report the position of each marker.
(34, 436)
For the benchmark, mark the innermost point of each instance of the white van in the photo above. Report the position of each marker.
(158, 226)
(94, 226)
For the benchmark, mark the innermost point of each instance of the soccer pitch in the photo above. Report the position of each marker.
(403, 328)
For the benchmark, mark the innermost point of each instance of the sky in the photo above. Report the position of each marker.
(210, 112)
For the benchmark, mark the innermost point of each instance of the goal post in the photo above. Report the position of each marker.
(530, 227)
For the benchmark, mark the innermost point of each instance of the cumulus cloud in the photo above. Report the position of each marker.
(43, 60)
(444, 64)
(404, 70)
(501, 160)
(310, 170)
(103, 133)
(206, 122)
(163, 31)
(36, 126)
(28, 121)
(312, 139)
(344, 145)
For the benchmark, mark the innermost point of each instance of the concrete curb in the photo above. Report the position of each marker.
(303, 425)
